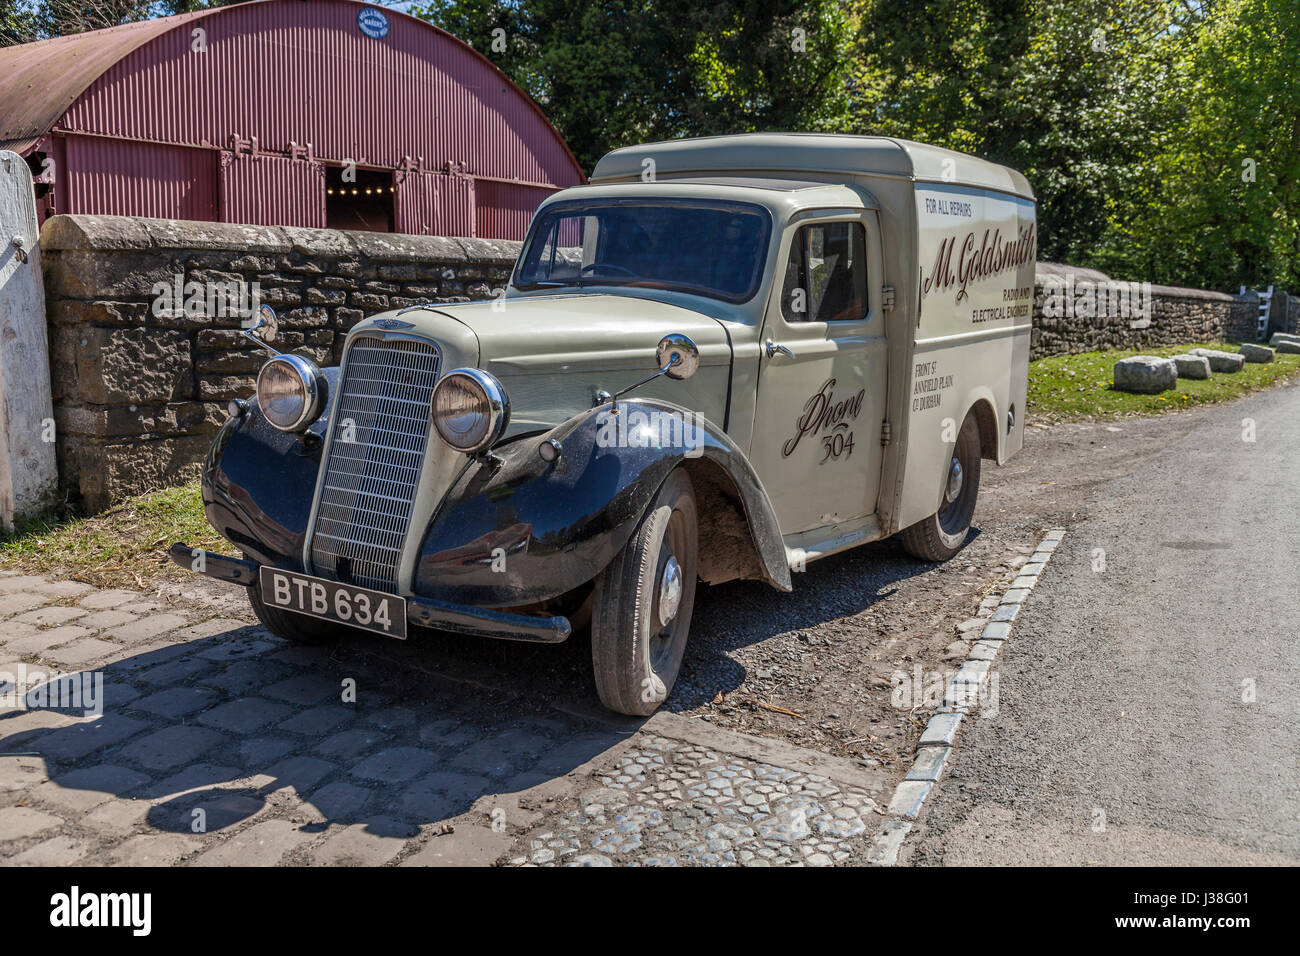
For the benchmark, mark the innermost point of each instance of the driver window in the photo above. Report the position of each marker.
(826, 275)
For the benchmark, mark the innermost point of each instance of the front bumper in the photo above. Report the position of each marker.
(443, 615)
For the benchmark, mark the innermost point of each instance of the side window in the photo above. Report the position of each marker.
(826, 277)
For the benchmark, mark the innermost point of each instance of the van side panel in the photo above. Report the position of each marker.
(976, 253)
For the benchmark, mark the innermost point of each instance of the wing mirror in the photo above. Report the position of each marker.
(678, 358)
(264, 329)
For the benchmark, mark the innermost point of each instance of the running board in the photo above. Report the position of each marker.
(808, 546)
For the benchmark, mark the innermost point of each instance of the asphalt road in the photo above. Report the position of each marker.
(1149, 713)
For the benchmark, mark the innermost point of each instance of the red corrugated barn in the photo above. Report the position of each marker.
(329, 114)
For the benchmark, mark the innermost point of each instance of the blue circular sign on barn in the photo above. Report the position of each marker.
(373, 23)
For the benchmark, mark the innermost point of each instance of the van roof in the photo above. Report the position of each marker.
(800, 155)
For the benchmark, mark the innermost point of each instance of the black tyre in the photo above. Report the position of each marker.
(940, 536)
(641, 612)
(295, 628)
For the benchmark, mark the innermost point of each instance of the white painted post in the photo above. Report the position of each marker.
(28, 473)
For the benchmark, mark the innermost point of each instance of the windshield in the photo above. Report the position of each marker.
(704, 247)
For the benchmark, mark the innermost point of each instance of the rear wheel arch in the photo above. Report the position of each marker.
(986, 419)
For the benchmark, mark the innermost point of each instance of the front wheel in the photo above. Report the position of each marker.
(641, 609)
(940, 536)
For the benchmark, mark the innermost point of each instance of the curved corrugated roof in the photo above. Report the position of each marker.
(40, 82)
(46, 77)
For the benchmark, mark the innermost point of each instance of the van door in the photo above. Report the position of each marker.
(821, 382)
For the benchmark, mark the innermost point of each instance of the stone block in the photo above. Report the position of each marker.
(121, 366)
(1192, 366)
(941, 730)
(98, 312)
(222, 388)
(107, 275)
(929, 763)
(386, 247)
(172, 747)
(1221, 361)
(105, 473)
(119, 421)
(217, 236)
(1145, 374)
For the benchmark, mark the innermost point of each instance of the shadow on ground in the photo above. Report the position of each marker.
(393, 735)
(207, 734)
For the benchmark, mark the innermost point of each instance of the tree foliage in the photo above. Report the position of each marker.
(1162, 137)
(1131, 118)
(613, 74)
(1221, 203)
(23, 21)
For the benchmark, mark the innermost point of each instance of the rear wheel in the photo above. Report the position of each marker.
(940, 536)
(641, 611)
(295, 628)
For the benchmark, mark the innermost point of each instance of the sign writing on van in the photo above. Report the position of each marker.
(993, 255)
(828, 419)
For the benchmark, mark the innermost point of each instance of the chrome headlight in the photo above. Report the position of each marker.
(470, 409)
(290, 392)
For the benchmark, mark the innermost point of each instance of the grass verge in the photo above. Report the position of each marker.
(1082, 387)
(125, 546)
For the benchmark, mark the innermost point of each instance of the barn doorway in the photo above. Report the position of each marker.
(359, 199)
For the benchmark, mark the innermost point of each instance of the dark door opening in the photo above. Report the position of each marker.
(364, 202)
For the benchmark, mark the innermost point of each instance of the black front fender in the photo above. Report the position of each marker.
(515, 529)
(258, 484)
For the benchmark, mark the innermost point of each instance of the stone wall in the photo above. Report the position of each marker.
(141, 378)
(141, 383)
(1080, 310)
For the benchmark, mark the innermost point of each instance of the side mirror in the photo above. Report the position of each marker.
(264, 329)
(678, 356)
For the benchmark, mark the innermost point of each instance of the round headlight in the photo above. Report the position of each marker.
(290, 392)
(470, 409)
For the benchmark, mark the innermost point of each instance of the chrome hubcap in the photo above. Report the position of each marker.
(670, 591)
(954, 482)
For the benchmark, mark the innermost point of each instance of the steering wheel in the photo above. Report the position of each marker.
(608, 265)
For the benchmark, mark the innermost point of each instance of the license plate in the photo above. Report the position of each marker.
(330, 601)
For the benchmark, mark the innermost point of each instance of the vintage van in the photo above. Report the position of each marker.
(722, 358)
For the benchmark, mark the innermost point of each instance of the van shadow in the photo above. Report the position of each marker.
(726, 617)
(743, 613)
(205, 735)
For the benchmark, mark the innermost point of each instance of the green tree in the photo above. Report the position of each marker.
(24, 21)
(1224, 195)
(614, 74)
(1062, 90)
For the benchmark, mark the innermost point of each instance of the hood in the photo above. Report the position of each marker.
(553, 353)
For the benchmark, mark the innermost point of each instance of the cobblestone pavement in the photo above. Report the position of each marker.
(667, 802)
(220, 744)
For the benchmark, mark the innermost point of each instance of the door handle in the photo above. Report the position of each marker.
(773, 348)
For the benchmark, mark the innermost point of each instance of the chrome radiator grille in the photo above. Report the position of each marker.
(372, 469)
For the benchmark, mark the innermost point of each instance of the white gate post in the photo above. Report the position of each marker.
(28, 473)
